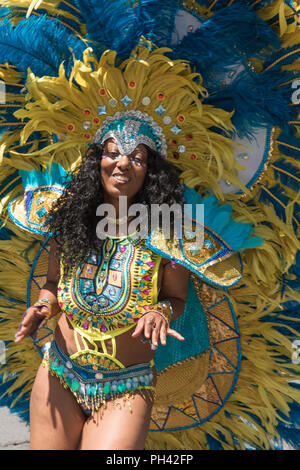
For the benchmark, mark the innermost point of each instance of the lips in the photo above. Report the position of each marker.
(120, 178)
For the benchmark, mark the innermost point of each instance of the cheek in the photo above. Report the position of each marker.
(140, 179)
(105, 171)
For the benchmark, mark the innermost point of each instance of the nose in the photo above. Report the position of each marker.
(124, 161)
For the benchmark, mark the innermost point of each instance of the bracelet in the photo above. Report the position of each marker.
(44, 303)
(164, 309)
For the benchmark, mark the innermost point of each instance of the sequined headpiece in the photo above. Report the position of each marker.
(131, 128)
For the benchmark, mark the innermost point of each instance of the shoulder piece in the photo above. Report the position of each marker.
(210, 240)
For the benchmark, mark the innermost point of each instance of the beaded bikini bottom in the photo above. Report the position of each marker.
(93, 388)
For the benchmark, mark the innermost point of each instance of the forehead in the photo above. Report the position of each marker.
(112, 145)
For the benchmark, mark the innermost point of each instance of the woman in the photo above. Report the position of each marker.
(60, 417)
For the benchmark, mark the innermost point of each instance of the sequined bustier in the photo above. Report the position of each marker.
(107, 294)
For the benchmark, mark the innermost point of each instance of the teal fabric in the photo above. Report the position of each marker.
(192, 325)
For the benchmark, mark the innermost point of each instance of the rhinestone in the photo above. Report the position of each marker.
(99, 375)
(229, 183)
(69, 365)
(160, 110)
(167, 120)
(70, 127)
(40, 200)
(181, 148)
(195, 250)
(126, 100)
(86, 124)
(190, 28)
(189, 234)
(209, 244)
(244, 156)
(101, 110)
(41, 212)
(112, 102)
(176, 129)
(146, 100)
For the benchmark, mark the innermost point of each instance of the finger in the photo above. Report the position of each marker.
(148, 327)
(20, 336)
(175, 334)
(139, 328)
(155, 335)
(163, 334)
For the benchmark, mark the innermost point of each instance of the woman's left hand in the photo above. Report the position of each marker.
(155, 328)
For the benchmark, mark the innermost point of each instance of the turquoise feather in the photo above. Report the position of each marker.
(218, 219)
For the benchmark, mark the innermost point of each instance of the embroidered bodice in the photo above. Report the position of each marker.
(108, 293)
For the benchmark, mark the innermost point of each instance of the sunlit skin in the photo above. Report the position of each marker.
(122, 175)
(56, 420)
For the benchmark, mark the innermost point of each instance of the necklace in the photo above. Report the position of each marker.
(119, 221)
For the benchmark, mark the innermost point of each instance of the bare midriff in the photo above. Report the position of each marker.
(130, 351)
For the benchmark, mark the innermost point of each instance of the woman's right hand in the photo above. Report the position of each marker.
(31, 321)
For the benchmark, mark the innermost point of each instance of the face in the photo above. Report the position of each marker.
(122, 175)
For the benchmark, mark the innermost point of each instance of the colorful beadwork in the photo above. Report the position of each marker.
(110, 290)
(92, 389)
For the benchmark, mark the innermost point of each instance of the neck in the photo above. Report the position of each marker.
(120, 205)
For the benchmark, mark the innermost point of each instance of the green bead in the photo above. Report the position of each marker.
(106, 389)
(75, 386)
(121, 387)
(60, 370)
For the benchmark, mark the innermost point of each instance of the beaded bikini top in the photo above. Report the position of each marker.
(108, 293)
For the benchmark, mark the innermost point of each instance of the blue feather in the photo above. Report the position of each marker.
(276, 196)
(118, 25)
(39, 44)
(289, 145)
(256, 100)
(289, 174)
(22, 405)
(221, 40)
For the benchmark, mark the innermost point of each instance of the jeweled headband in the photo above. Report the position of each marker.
(131, 128)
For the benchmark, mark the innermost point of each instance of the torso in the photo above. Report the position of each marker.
(106, 295)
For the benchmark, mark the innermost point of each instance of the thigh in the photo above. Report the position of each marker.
(118, 426)
(56, 420)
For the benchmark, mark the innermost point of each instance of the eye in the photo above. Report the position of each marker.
(113, 155)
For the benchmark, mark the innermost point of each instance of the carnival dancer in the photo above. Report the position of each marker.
(99, 96)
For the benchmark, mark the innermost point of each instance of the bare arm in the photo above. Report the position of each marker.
(174, 289)
(33, 316)
(49, 290)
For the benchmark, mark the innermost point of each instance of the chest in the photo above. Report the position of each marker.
(113, 287)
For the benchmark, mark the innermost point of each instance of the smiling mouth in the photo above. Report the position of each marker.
(121, 178)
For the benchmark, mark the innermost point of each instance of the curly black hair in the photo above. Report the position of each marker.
(73, 218)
